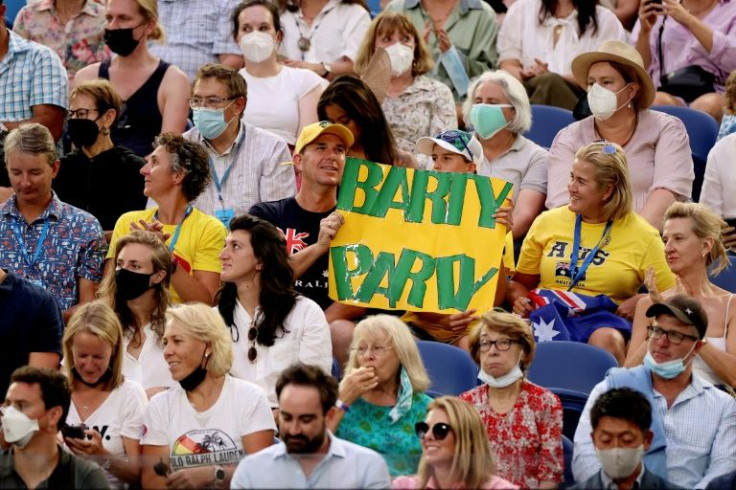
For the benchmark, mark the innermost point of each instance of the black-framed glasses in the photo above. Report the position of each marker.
(252, 351)
(501, 344)
(439, 431)
(80, 113)
(656, 332)
(197, 102)
(458, 139)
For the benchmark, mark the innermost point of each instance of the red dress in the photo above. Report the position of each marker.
(528, 439)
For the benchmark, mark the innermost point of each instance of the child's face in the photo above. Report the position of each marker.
(448, 161)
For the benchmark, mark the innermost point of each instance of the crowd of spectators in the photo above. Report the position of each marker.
(168, 199)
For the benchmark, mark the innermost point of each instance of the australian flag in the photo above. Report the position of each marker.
(562, 315)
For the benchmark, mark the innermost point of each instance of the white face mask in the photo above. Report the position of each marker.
(18, 429)
(257, 46)
(620, 462)
(603, 103)
(402, 57)
(502, 381)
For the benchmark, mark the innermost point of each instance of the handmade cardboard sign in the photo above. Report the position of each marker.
(417, 240)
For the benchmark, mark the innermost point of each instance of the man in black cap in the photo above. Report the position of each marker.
(693, 422)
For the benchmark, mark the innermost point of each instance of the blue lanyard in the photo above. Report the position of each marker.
(175, 237)
(577, 273)
(220, 183)
(39, 243)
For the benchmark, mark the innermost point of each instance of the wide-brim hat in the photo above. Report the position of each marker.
(623, 54)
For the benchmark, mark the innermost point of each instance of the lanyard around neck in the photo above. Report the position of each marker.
(577, 273)
(18, 231)
(175, 236)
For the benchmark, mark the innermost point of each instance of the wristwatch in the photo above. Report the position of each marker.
(220, 475)
(327, 68)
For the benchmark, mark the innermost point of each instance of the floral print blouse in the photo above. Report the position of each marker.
(528, 439)
(424, 108)
(78, 43)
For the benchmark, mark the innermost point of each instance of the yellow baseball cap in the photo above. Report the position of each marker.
(315, 130)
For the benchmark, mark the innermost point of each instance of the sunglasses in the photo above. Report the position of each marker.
(252, 351)
(458, 139)
(439, 431)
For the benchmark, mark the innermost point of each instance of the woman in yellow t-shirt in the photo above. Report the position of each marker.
(594, 246)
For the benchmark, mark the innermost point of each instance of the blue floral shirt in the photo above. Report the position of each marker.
(73, 246)
(370, 426)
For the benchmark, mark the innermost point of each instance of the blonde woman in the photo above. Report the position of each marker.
(110, 406)
(692, 237)
(596, 245)
(382, 395)
(455, 451)
(196, 433)
(155, 94)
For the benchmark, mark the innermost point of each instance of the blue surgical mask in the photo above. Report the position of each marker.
(502, 381)
(669, 369)
(210, 122)
(488, 119)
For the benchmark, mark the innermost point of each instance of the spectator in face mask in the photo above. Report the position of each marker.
(154, 92)
(621, 420)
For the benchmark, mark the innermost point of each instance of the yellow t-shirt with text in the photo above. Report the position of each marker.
(619, 266)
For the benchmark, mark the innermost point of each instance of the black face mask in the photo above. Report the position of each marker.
(83, 132)
(103, 379)
(195, 378)
(121, 41)
(131, 285)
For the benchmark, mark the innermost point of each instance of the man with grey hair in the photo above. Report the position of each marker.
(47, 242)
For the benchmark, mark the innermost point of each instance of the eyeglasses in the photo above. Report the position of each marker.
(439, 431)
(676, 338)
(501, 344)
(458, 139)
(378, 350)
(252, 351)
(197, 102)
(80, 113)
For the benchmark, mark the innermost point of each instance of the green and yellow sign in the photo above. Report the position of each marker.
(417, 239)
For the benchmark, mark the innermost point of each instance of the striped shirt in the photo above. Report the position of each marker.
(700, 429)
(30, 74)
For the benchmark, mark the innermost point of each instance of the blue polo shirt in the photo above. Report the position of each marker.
(30, 321)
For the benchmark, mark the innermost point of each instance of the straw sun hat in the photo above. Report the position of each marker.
(623, 54)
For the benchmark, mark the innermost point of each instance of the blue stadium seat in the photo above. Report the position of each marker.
(727, 278)
(546, 122)
(336, 370)
(567, 447)
(14, 7)
(702, 130)
(571, 366)
(450, 368)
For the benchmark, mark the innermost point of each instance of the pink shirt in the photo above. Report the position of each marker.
(681, 49)
(412, 482)
(658, 155)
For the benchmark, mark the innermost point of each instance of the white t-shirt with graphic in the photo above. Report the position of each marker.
(212, 437)
(150, 369)
(120, 415)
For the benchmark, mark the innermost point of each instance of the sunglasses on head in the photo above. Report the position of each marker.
(458, 139)
(439, 431)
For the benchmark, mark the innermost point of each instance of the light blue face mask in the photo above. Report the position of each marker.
(488, 119)
(669, 369)
(210, 122)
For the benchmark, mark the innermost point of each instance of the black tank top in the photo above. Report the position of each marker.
(139, 121)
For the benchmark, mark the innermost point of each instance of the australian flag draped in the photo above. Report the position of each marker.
(562, 315)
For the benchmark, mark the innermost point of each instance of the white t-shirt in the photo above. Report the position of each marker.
(212, 437)
(273, 102)
(120, 415)
(150, 369)
(337, 31)
(307, 341)
(522, 37)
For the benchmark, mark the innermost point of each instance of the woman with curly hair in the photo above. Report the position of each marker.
(138, 293)
(271, 325)
(176, 173)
